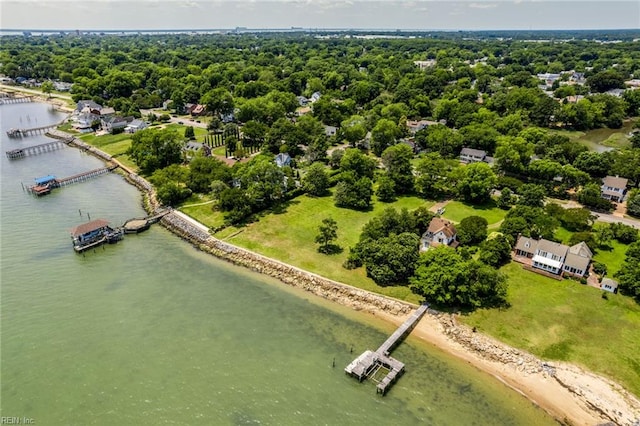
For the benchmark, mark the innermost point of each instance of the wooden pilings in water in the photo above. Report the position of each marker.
(34, 150)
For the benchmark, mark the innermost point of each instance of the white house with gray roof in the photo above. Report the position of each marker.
(614, 188)
(553, 257)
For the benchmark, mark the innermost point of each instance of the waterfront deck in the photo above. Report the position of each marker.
(369, 362)
(137, 225)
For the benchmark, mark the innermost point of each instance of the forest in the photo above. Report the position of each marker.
(369, 119)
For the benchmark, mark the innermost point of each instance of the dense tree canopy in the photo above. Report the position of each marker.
(444, 277)
(153, 149)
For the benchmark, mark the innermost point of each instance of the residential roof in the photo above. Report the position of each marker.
(89, 227)
(473, 152)
(283, 159)
(526, 244)
(88, 103)
(581, 249)
(552, 247)
(609, 282)
(615, 182)
(44, 179)
(107, 111)
(437, 224)
(576, 261)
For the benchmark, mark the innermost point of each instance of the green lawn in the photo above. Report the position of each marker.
(115, 145)
(564, 320)
(613, 257)
(202, 210)
(455, 211)
(562, 234)
(289, 236)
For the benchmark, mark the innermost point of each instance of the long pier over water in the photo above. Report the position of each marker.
(369, 362)
(14, 154)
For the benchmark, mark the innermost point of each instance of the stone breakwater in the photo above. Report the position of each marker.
(346, 295)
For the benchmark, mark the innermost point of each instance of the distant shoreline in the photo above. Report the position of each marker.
(566, 392)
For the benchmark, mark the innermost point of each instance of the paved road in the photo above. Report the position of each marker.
(602, 217)
(187, 121)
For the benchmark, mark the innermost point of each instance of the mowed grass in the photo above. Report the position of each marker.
(455, 211)
(115, 145)
(564, 320)
(289, 236)
(613, 256)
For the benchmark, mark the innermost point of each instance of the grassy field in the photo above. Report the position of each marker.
(455, 211)
(289, 236)
(115, 145)
(201, 209)
(564, 320)
(613, 258)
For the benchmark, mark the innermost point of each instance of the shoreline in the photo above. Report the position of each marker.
(569, 393)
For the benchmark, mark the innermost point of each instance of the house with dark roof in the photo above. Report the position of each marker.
(614, 188)
(554, 257)
(440, 231)
(91, 105)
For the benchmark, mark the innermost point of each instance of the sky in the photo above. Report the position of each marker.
(357, 14)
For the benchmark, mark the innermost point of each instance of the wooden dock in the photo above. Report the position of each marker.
(81, 177)
(45, 188)
(15, 154)
(370, 362)
(18, 133)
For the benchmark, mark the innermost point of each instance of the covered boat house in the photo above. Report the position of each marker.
(43, 185)
(94, 233)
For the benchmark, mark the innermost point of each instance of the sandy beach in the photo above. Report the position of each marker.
(571, 394)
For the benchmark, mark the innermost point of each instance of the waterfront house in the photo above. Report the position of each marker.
(552, 257)
(113, 123)
(614, 188)
(440, 231)
(135, 126)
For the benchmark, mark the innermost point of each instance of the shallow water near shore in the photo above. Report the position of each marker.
(152, 331)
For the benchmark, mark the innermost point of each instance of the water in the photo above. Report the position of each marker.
(151, 331)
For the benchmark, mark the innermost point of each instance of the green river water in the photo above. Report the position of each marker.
(151, 331)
